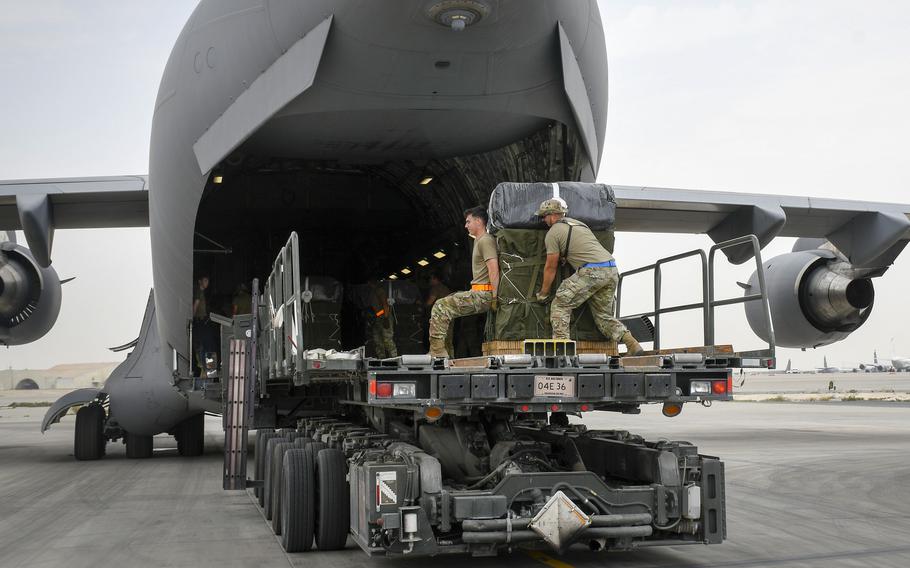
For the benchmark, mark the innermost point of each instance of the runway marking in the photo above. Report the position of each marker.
(548, 560)
(804, 558)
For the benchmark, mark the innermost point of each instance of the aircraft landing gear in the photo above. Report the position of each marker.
(190, 436)
(89, 439)
(138, 447)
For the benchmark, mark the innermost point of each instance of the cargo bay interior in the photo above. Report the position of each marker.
(399, 219)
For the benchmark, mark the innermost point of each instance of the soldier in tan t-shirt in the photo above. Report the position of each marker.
(482, 296)
(594, 281)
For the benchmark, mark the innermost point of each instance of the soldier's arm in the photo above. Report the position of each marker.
(493, 269)
(549, 273)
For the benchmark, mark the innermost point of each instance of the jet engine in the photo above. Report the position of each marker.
(29, 296)
(816, 298)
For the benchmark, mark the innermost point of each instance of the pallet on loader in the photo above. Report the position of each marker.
(548, 347)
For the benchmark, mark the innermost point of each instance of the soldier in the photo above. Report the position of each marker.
(482, 296)
(439, 290)
(594, 281)
(381, 326)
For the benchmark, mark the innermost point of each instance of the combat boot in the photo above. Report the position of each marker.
(633, 348)
(438, 347)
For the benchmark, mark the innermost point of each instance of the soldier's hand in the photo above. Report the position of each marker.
(541, 297)
(494, 304)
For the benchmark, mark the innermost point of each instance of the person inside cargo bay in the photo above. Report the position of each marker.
(482, 297)
(594, 281)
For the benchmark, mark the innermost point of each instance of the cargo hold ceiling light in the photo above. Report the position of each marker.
(423, 262)
(218, 179)
(393, 277)
(458, 14)
(405, 271)
(439, 254)
(426, 180)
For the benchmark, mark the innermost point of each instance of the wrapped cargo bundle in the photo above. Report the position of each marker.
(408, 315)
(520, 237)
(514, 205)
(321, 301)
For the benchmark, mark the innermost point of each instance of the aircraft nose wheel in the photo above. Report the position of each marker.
(89, 438)
(190, 436)
(138, 447)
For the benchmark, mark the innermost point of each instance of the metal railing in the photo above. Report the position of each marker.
(284, 328)
(708, 303)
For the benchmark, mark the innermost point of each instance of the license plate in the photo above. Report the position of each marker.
(546, 385)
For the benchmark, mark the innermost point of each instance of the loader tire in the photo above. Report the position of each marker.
(274, 509)
(298, 510)
(332, 500)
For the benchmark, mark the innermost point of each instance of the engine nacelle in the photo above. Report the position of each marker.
(29, 296)
(815, 299)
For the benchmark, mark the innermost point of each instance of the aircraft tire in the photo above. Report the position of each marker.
(298, 511)
(332, 500)
(277, 470)
(89, 438)
(139, 447)
(191, 436)
(261, 443)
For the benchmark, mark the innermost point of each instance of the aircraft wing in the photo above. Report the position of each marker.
(38, 206)
(870, 234)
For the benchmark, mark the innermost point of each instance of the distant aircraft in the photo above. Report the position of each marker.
(368, 127)
(828, 369)
(876, 366)
(900, 363)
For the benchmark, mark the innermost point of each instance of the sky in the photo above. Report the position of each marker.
(783, 97)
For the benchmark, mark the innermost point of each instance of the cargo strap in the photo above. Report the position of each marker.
(481, 287)
(307, 296)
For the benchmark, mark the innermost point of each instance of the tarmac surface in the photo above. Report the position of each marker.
(808, 485)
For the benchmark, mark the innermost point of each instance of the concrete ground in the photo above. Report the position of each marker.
(808, 485)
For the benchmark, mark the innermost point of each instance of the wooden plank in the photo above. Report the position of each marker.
(705, 349)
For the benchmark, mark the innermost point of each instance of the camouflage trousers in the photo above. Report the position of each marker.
(384, 338)
(456, 305)
(597, 286)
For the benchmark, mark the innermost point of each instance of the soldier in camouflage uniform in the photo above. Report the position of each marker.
(482, 295)
(381, 326)
(594, 281)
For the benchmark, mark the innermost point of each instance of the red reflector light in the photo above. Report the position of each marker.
(525, 408)
(730, 383)
(719, 387)
(554, 408)
(585, 408)
(373, 387)
(384, 390)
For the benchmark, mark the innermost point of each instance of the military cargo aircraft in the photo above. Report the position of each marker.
(378, 123)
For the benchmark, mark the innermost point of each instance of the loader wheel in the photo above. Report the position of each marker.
(262, 441)
(190, 435)
(274, 507)
(332, 501)
(89, 439)
(265, 501)
(298, 511)
(139, 447)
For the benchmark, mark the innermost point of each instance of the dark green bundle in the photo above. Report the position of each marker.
(522, 254)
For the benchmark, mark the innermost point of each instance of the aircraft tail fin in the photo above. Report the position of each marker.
(788, 366)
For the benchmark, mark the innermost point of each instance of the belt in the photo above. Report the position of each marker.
(482, 287)
(607, 264)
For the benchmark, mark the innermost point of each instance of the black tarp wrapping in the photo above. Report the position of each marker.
(514, 205)
(409, 316)
(321, 306)
(521, 260)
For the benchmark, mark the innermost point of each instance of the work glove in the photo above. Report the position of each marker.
(494, 304)
(542, 298)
